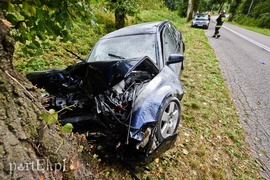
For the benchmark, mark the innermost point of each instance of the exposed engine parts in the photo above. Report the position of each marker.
(105, 99)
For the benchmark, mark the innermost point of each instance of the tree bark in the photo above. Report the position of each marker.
(250, 7)
(27, 146)
(190, 10)
(119, 19)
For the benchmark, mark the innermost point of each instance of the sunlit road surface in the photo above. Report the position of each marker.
(244, 58)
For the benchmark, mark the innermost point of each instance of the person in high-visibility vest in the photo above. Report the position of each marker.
(221, 18)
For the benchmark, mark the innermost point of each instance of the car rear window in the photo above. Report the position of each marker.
(201, 16)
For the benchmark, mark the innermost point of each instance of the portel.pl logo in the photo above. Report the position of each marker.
(37, 165)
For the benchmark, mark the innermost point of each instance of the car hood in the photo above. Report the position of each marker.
(95, 77)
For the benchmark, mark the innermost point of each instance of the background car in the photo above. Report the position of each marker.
(201, 20)
(128, 90)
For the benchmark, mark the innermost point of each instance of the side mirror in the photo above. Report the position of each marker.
(175, 58)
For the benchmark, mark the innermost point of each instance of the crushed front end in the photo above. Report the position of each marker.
(98, 99)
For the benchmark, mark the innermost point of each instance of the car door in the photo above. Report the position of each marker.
(171, 43)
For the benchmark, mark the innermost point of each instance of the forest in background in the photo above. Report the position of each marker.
(245, 12)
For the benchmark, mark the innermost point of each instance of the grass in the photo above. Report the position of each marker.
(211, 142)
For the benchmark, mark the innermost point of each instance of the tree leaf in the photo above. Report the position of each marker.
(25, 6)
(80, 149)
(47, 118)
(10, 7)
(37, 44)
(32, 46)
(32, 10)
(50, 117)
(67, 128)
(40, 14)
(12, 18)
(185, 152)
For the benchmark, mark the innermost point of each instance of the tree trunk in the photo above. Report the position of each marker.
(27, 146)
(190, 10)
(119, 19)
(250, 7)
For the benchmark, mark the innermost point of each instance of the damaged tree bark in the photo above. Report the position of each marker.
(27, 146)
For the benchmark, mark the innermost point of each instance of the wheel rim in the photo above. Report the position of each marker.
(169, 119)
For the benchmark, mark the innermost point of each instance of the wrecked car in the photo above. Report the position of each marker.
(128, 89)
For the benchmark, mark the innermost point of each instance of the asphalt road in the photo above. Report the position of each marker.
(244, 58)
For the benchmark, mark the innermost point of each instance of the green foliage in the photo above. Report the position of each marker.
(234, 4)
(67, 128)
(54, 54)
(264, 20)
(198, 5)
(201, 6)
(257, 18)
(182, 8)
(254, 13)
(35, 21)
(261, 13)
(50, 117)
(121, 9)
(171, 4)
(244, 7)
(261, 9)
(151, 5)
(165, 14)
(125, 7)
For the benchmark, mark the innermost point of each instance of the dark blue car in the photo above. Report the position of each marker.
(128, 89)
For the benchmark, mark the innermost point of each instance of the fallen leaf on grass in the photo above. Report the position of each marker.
(75, 165)
(185, 152)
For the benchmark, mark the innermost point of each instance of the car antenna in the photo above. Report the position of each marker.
(74, 54)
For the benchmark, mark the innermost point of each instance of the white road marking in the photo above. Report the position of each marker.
(248, 39)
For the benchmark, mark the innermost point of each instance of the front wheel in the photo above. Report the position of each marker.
(169, 118)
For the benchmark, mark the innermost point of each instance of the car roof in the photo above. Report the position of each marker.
(201, 14)
(143, 28)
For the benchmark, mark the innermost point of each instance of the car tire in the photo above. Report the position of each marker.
(169, 118)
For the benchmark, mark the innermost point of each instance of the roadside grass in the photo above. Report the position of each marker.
(211, 142)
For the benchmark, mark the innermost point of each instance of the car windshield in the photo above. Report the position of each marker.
(124, 47)
(201, 17)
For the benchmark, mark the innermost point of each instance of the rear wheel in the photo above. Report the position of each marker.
(169, 119)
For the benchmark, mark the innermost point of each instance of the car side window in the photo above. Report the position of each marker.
(169, 42)
(177, 38)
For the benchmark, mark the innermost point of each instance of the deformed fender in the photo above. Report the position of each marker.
(166, 144)
(152, 97)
